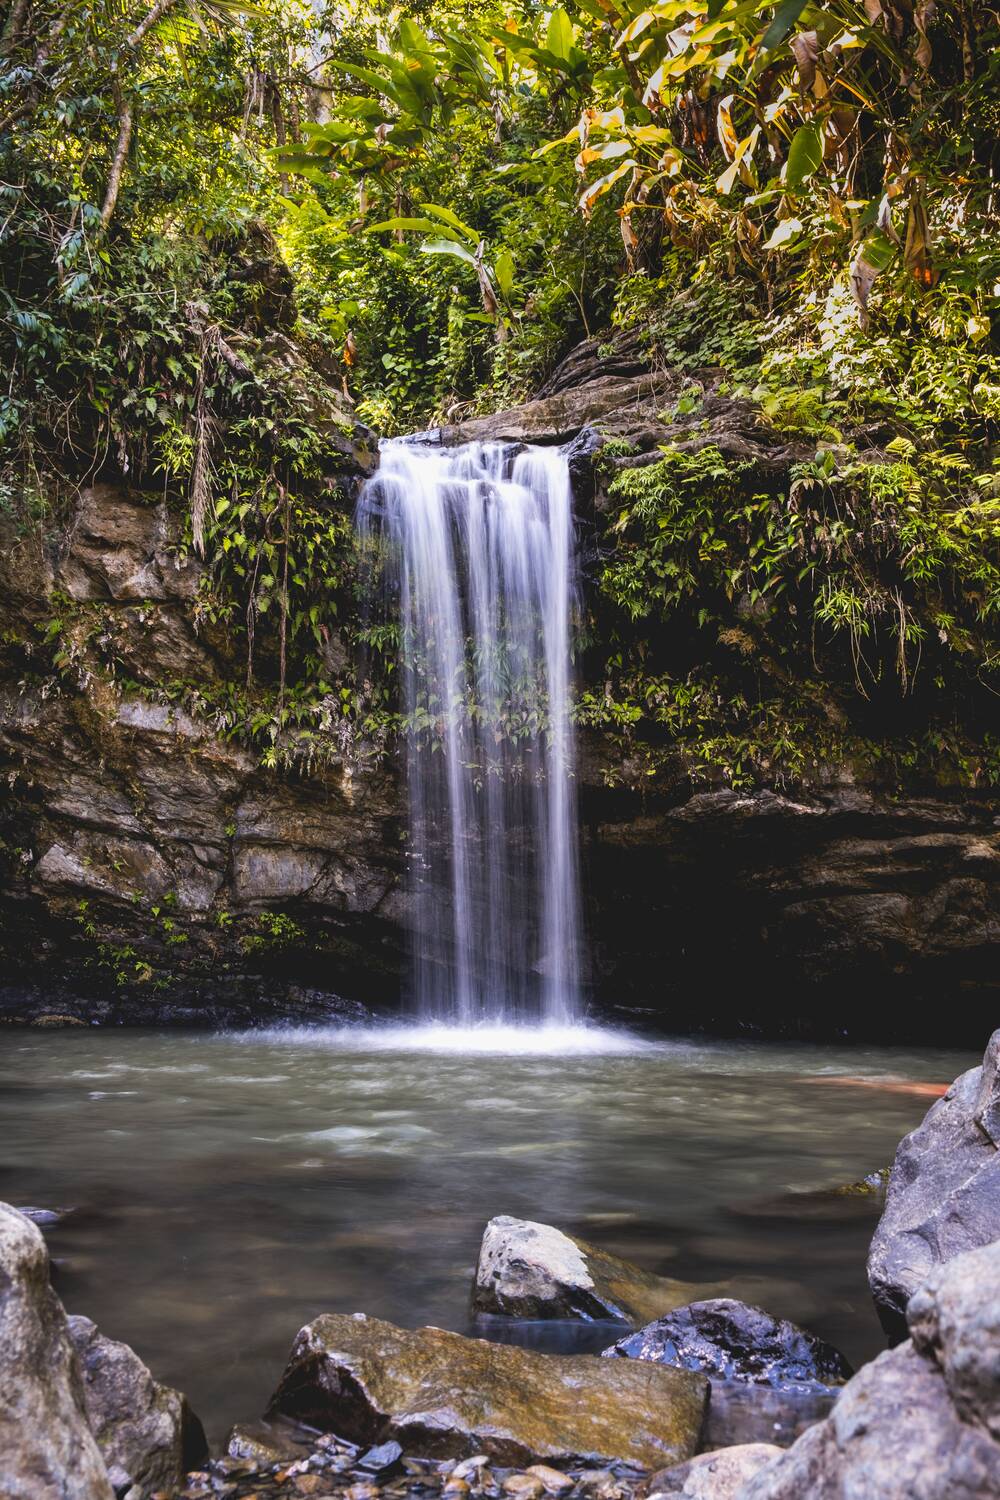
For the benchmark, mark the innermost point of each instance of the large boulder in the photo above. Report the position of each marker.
(444, 1396)
(713, 1476)
(944, 1191)
(955, 1320)
(47, 1450)
(921, 1420)
(149, 1436)
(529, 1270)
(730, 1340)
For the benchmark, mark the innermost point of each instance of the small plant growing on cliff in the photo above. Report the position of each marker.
(275, 930)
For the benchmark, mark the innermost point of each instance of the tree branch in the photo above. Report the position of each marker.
(125, 119)
(149, 20)
(14, 26)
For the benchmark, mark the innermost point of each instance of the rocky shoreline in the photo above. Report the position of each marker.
(701, 1395)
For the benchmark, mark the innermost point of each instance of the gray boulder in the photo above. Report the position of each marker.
(730, 1340)
(919, 1422)
(530, 1270)
(713, 1476)
(440, 1395)
(955, 1320)
(149, 1436)
(48, 1450)
(944, 1191)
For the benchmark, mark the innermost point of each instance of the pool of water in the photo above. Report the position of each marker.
(225, 1189)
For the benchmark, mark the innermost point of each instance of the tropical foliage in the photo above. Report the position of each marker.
(800, 196)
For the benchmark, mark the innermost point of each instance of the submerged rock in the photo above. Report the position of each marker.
(944, 1191)
(147, 1433)
(920, 1421)
(48, 1450)
(739, 1413)
(444, 1396)
(733, 1341)
(530, 1270)
(713, 1476)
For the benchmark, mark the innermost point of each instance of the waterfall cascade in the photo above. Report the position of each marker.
(477, 550)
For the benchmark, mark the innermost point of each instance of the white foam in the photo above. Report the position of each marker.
(529, 1041)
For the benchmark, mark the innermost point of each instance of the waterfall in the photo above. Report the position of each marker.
(476, 547)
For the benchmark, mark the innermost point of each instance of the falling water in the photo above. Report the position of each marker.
(477, 548)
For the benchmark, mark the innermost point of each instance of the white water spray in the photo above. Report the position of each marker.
(477, 544)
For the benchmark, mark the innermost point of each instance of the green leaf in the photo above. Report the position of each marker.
(805, 155)
(447, 217)
(425, 226)
(785, 18)
(503, 269)
(878, 250)
(449, 247)
(413, 40)
(559, 37)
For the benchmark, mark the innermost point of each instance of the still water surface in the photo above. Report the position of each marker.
(228, 1188)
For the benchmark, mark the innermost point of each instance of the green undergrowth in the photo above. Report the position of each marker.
(758, 626)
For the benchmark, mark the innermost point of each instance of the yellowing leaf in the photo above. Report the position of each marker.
(724, 121)
(600, 187)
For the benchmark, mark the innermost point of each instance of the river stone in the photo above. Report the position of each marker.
(529, 1270)
(149, 1436)
(920, 1421)
(713, 1476)
(955, 1320)
(47, 1450)
(444, 1396)
(944, 1191)
(731, 1340)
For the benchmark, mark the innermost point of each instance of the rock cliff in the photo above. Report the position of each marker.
(151, 868)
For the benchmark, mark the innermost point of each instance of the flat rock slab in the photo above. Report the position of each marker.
(444, 1396)
(531, 1270)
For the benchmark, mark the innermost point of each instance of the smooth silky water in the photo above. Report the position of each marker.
(473, 553)
(228, 1188)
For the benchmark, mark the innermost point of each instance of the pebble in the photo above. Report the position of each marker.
(524, 1486)
(328, 1469)
(554, 1480)
(469, 1467)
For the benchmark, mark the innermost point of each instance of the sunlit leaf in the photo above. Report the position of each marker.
(449, 247)
(559, 35)
(503, 268)
(787, 231)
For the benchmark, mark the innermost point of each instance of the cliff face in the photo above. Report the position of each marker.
(151, 869)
